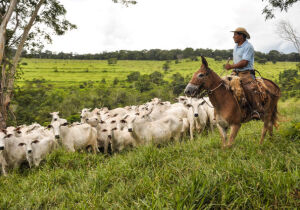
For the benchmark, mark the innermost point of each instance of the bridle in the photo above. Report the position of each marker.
(211, 91)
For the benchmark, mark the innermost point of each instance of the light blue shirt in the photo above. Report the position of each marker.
(244, 52)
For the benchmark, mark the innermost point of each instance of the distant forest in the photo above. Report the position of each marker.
(158, 54)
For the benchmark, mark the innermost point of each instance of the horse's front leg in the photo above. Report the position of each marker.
(233, 132)
(223, 134)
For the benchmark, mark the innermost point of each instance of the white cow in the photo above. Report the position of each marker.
(37, 147)
(159, 131)
(75, 137)
(12, 153)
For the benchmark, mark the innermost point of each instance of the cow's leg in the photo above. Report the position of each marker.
(105, 146)
(95, 147)
(223, 134)
(191, 131)
(4, 169)
(233, 132)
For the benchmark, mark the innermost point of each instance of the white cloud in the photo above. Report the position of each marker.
(169, 24)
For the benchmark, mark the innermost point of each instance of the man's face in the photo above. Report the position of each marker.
(237, 37)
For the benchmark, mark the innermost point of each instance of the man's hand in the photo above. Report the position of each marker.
(228, 66)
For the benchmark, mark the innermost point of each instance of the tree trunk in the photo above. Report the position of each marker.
(7, 89)
(4, 22)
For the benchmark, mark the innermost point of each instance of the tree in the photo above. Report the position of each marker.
(268, 11)
(166, 66)
(111, 61)
(288, 33)
(27, 25)
(133, 76)
(21, 27)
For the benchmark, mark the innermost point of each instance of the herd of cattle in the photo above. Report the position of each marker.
(155, 121)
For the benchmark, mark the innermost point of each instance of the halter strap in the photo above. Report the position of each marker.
(211, 91)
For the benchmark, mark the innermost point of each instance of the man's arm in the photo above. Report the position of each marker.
(238, 65)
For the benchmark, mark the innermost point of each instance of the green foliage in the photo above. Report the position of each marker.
(282, 5)
(262, 61)
(133, 76)
(144, 84)
(112, 61)
(218, 58)
(73, 118)
(289, 80)
(116, 81)
(178, 84)
(166, 66)
(292, 132)
(157, 78)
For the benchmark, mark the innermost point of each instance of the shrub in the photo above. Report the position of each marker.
(166, 66)
(292, 132)
(133, 76)
(111, 61)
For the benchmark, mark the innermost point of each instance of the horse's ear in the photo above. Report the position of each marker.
(204, 62)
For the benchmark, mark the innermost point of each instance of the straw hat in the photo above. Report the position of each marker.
(243, 31)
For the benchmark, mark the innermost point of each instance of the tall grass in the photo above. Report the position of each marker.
(187, 175)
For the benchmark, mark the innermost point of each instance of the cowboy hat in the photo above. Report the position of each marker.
(243, 31)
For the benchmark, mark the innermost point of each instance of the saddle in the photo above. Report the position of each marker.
(256, 92)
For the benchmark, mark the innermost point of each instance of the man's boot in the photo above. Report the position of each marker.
(253, 98)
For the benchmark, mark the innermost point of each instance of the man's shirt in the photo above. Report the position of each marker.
(244, 52)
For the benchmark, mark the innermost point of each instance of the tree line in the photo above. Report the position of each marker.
(158, 54)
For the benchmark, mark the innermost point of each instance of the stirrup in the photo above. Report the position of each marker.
(255, 115)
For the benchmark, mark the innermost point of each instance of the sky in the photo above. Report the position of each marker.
(169, 24)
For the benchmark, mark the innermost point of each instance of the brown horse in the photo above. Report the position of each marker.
(227, 110)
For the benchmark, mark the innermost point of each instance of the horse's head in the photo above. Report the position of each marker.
(200, 80)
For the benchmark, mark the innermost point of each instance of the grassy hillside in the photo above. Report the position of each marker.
(191, 174)
(69, 72)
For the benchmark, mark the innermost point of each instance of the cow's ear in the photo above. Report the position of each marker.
(65, 124)
(8, 136)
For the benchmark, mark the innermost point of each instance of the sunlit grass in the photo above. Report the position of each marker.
(187, 175)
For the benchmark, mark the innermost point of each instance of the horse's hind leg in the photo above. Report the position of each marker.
(270, 128)
(263, 132)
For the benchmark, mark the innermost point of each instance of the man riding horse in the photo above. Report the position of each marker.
(243, 58)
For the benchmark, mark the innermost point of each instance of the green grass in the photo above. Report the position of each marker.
(188, 175)
(69, 72)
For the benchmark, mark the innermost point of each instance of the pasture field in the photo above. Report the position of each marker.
(69, 72)
(187, 175)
